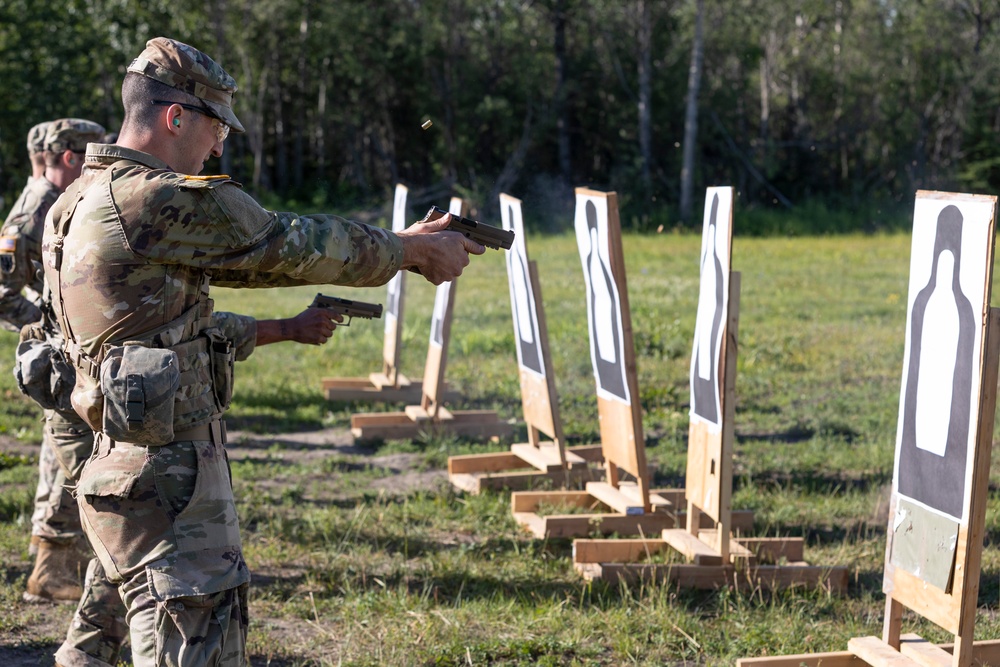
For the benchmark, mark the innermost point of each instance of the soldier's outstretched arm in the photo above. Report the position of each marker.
(313, 326)
(437, 254)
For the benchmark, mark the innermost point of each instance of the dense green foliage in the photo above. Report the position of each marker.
(841, 105)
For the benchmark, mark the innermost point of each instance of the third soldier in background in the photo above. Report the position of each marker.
(57, 536)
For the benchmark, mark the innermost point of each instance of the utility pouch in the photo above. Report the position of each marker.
(139, 384)
(43, 374)
(223, 358)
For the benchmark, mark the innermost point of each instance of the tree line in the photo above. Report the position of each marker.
(840, 103)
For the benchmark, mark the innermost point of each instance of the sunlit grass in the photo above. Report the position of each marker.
(350, 568)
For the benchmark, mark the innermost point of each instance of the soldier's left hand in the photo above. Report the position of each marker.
(313, 326)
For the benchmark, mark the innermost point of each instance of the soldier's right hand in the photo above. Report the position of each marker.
(435, 253)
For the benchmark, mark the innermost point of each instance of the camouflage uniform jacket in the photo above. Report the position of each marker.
(143, 242)
(20, 248)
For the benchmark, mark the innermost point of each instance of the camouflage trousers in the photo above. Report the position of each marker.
(98, 629)
(162, 521)
(67, 442)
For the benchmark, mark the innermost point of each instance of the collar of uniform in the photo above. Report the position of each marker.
(104, 155)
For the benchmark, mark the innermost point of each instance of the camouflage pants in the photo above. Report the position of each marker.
(98, 629)
(67, 442)
(162, 521)
(48, 468)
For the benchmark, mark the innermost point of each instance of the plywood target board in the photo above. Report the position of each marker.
(394, 296)
(534, 364)
(708, 486)
(940, 418)
(598, 234)
(437, 350)
(713, 300)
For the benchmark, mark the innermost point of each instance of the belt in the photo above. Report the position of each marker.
(213, 431)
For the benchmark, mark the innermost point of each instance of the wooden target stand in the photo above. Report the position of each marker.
(712, 555)
(389, 385)
(536, 462)
(955, 611)
(634, 509)
(954, 606)
(430, 415)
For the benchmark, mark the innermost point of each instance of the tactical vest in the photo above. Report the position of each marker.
(148, 389)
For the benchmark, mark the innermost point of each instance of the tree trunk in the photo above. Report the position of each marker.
(562, 109)
(645, 97)
(691, 116)
(299, 131)
(280, 149)
(219, 27)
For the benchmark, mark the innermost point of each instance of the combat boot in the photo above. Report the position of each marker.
(58, 572)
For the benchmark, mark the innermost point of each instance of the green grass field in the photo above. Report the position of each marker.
(353, 570)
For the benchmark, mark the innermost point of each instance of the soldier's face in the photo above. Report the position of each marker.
(203, 143)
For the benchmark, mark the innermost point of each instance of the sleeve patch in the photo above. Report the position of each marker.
(8, 243)
(205, 182)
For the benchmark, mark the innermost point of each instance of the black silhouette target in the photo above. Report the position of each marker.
(522, 296)
(713, 300)
(937, 421)
(604, 315)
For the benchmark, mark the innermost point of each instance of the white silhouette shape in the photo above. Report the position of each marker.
(938, 356)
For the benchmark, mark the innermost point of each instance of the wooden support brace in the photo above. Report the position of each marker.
(737, 551)
(877, 653)
(689, 546)
(382, 381)
(614, 498)
(925, 653)
(545, 457)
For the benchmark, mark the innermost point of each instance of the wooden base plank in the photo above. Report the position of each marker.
(382, 381)
(983, 653)
(530, 501)
(616, 551)
(388, 425)
(484, 463)
(707, 577)
(581, 525)
(519, 480)
(775, 549)
(832, 659)
(363, 389)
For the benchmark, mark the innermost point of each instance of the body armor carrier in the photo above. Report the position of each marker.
(147, 389)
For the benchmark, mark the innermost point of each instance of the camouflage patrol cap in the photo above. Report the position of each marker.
(71, 134)
(186, 68)
(36, 138)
